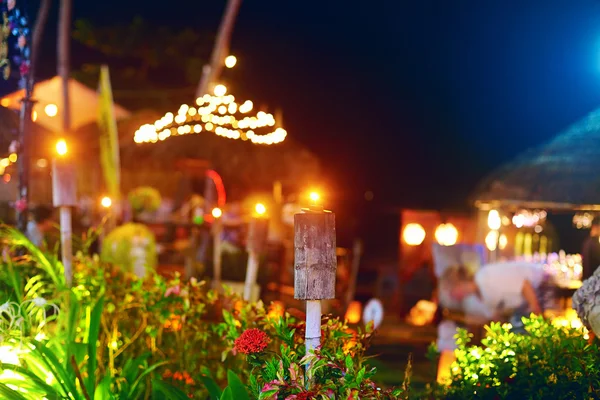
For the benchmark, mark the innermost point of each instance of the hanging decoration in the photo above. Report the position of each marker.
(526, 218)
(219, 114)
(15, 51)
(583, 220)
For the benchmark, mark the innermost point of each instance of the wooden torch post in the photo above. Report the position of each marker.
(315, 266)
(255, 245)
(64, 196)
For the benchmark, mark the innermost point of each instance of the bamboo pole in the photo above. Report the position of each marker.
(63, 60)
(212, 71)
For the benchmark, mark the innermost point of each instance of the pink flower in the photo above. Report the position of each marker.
(173, 290)
(21, 205)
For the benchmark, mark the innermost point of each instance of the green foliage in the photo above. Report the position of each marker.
(547, 362)
(118, 244)
(144, 199)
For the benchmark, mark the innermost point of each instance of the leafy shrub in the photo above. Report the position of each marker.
(118, 245)
(144, 199)
(548, 362)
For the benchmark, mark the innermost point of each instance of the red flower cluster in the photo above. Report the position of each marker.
(251, 341)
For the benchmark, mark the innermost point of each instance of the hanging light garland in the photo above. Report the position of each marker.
(219, 114)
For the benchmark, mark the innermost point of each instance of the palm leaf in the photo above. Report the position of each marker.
(9, 394)
(32, 380)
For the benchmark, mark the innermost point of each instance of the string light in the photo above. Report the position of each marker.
(219, 114)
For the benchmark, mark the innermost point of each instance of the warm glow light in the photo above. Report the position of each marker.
(61, 147)
(106, 202)
(51, 110)
(314, 197)
(413, 234)
(354, 313)
(491, 240)
(446, 235)
(217, 212)
(260, 209)
(42, 163)
(494, 220)
(34, 116)
(230, 61)
(12, 157)
(220, 90)
(502, 242)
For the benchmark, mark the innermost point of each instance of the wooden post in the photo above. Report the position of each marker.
(256, 243)
(315, 267)
(64, 196)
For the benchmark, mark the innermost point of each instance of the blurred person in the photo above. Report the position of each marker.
(39, 225)
(511, 288)
(591, 250)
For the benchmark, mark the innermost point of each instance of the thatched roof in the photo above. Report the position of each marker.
(561, 174)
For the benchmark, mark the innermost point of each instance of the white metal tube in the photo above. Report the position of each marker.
(66, 243)
(313, 325)
(251, 274)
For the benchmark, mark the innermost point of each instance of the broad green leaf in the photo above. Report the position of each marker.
(238, 390)
(227, 394)
(170, 392)
(212, 387)
(103, 389)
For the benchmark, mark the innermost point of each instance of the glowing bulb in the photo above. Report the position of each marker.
(494, 220)
(230, 61)
(220, 90)
(446, 235)
(217, 212)
(260, 209)
(12, 157)
(502, 242)
(491, 240)
(106, 202)
(413, 234)
(61, 147)
(314, 197)
(51, 110)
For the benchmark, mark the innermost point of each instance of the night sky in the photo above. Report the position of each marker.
(414, 100)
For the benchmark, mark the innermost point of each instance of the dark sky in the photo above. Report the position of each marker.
(415, 100)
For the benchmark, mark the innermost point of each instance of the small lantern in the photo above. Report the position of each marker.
(354, 312)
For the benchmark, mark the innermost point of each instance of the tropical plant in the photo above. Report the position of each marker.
(66, 368)
(279, 369)
(549, 361)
